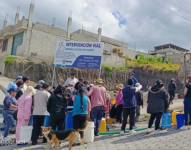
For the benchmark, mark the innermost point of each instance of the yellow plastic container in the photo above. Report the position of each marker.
(174, 114)
(103, 127)
(113, 101)
(110, 121)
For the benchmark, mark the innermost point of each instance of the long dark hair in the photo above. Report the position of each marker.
(80, 89)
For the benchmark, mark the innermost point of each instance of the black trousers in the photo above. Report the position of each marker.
(172, 95)
(80, 122)
(119, 110)
(128, 112)
(57, 123)
(38, 121)
(157, 118)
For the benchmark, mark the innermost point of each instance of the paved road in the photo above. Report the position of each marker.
(171, 140)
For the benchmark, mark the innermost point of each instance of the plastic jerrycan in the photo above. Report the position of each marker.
(103, 126)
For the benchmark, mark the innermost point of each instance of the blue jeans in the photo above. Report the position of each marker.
(97, 114)
(187, 111)
(47, 121)
(10, 122)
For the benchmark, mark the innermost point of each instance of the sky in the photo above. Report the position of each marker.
(142, 24)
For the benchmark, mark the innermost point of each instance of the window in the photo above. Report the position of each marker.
(5, 43)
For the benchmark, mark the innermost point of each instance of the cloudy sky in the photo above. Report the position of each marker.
(141, 23)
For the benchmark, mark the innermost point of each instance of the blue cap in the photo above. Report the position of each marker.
(12, 90)
(19, 78)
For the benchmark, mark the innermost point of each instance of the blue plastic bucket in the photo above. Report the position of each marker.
(69, 121)
(166, 120)
(180, 120)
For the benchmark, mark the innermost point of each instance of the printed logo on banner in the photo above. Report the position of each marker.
(83, 55)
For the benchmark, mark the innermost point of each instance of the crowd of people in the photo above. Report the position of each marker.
(43, 106)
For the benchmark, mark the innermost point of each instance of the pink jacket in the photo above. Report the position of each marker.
(24, 107)
(119, 98)
(98, 96)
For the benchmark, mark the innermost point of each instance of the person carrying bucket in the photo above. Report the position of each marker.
(98, 101)
(187, 102)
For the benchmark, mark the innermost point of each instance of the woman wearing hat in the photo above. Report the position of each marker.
(98, 101)
(158, 103)
(9, 109)
(24, 110)
(119, 103)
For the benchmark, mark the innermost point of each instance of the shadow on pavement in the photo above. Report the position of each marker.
(143, 136)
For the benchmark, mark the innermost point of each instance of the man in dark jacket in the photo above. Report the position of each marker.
(158, 103)
(56, 106)
(129, 105)
(172, 89)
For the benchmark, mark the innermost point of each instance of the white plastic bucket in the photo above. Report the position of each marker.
(25, 134)
(89, 133)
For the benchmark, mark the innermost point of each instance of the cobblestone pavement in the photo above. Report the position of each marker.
(171, 140)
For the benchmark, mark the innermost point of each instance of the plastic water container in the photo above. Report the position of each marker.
(174, 120)
(166, 120)
(180, 120)
(103, 126)
(25, 134)
(89, 133)
(69, 121)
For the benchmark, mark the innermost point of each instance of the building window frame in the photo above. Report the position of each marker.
(5, 45)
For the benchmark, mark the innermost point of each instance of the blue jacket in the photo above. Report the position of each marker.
(129, 97)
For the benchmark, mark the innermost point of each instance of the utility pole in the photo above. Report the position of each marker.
(185, 70)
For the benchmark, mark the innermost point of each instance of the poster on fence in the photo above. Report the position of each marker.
(82, 55)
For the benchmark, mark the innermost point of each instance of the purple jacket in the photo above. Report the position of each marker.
(119, 98)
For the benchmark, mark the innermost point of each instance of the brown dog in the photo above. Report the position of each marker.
(54, 138)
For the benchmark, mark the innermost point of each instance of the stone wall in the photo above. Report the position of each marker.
(43, 71)
(148, 78)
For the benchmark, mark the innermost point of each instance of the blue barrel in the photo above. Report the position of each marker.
(166, 120)
(180, 120)
(69, 121)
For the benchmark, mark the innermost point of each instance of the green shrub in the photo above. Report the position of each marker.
(10, 59)
(152, 63)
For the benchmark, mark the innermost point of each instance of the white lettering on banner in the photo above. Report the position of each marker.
(75, 54)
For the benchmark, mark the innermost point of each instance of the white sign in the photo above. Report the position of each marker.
(83, 55)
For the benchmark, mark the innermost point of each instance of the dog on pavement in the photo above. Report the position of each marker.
(54, 138)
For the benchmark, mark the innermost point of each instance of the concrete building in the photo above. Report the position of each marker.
(170, 52)
(38, 41)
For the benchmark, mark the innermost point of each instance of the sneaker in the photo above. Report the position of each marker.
(184, 128)
(157, 131)
(122, 132)
(132, 131)
(149, 130)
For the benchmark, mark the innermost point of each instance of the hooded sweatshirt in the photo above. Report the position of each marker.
(157, 99)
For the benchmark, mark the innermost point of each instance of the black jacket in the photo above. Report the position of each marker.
(139, 98)
(57, 105)
(158, 100)
(172, 87)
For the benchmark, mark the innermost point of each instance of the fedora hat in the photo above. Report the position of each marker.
(119, 86)
(99, 81)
